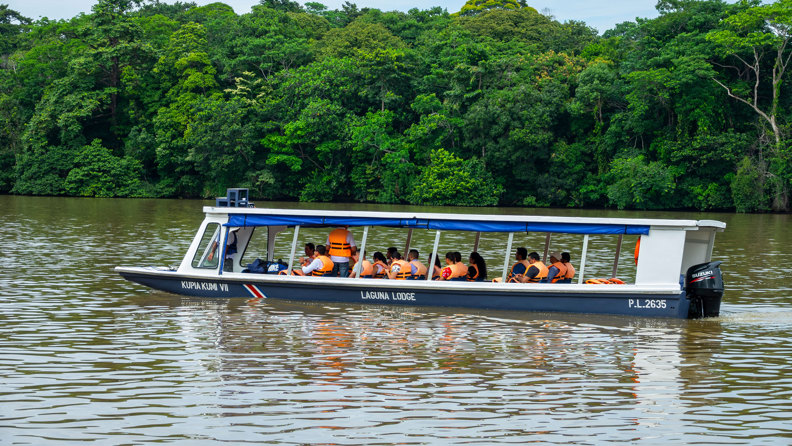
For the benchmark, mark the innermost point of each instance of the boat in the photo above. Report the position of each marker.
(675, 275)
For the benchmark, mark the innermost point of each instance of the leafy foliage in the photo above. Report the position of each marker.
(496, 104)
(450, 180)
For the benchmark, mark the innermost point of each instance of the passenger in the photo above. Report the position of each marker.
(367, 270)
(341, 247)
(399, 269)
(477, 271)
(417, 269)
(518, 269)
(310, 254)
(320, 266)
(536, 271)
(557, 270)
(461, 268)
(380, 265)
(570, 273)
(436, 269)
(389, 254)
(454, 271)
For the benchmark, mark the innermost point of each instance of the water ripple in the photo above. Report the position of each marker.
(86, 356)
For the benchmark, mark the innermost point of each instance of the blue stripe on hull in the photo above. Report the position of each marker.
(672, 305)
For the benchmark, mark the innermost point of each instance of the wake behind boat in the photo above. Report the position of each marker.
(675, 276)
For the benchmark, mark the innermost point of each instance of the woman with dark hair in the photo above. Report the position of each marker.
(477, 271)
(436, 271)
(380, 265)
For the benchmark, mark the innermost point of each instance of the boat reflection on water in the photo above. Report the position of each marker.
(320, 366)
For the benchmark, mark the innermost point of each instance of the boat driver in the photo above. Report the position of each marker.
(231, 249)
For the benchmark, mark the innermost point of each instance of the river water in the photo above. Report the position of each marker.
(87, 356)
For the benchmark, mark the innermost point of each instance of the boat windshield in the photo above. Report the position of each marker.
(206, 255)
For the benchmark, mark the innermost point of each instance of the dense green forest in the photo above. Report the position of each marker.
(494, 104)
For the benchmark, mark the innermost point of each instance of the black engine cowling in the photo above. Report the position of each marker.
(704, 286)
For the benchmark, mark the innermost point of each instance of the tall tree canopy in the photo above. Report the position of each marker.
(496, 104)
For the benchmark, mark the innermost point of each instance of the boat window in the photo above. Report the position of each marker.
(256, 247)
(206, 255)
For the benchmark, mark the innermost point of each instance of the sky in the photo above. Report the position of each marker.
(599, 14)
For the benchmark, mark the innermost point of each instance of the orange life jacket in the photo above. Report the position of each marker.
(367, 268)
(404, 269)
(570, 272)
(520, 262)
(458, 270)
(381, 274)
(338, 245)
(327, 266)
(542, 271)
(420, 268)
(637, 248)
(562, 269)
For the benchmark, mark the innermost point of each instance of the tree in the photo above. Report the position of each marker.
(97, 173)
(640, 185)
(473, 7)
(748, 36)
(452, 181)
(12, 24)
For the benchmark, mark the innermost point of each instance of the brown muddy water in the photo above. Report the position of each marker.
(88, 357)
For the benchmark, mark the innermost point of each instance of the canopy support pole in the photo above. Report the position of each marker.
(407, 244)
(294, 248)
(361, 254)
(583, 259)
(222, 252)
(430, 269)
(508, 255)
(476, 243)
(547, 248)
(618, 251)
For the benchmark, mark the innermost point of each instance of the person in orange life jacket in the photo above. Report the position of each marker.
(437, 268)
(389, 254)
(536, 270)
(477, 271)
(399, 269)
(341, 246)
(366, 268)
(310, 254)
(380, 265)
(320, 266)
(417, 269)
(462, 269)
(570, 273)
(453, 271)
(557, 269)
(519, 268)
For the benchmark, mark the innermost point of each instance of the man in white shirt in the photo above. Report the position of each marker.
(319, 264)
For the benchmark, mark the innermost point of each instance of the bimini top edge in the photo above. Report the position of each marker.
(247, 217)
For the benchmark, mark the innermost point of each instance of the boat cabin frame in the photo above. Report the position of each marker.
(668, 248)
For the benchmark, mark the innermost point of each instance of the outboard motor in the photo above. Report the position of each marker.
(704, 286)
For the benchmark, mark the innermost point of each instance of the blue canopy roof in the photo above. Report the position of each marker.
(436, 223)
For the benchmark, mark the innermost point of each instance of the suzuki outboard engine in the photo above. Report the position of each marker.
(704, 286)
